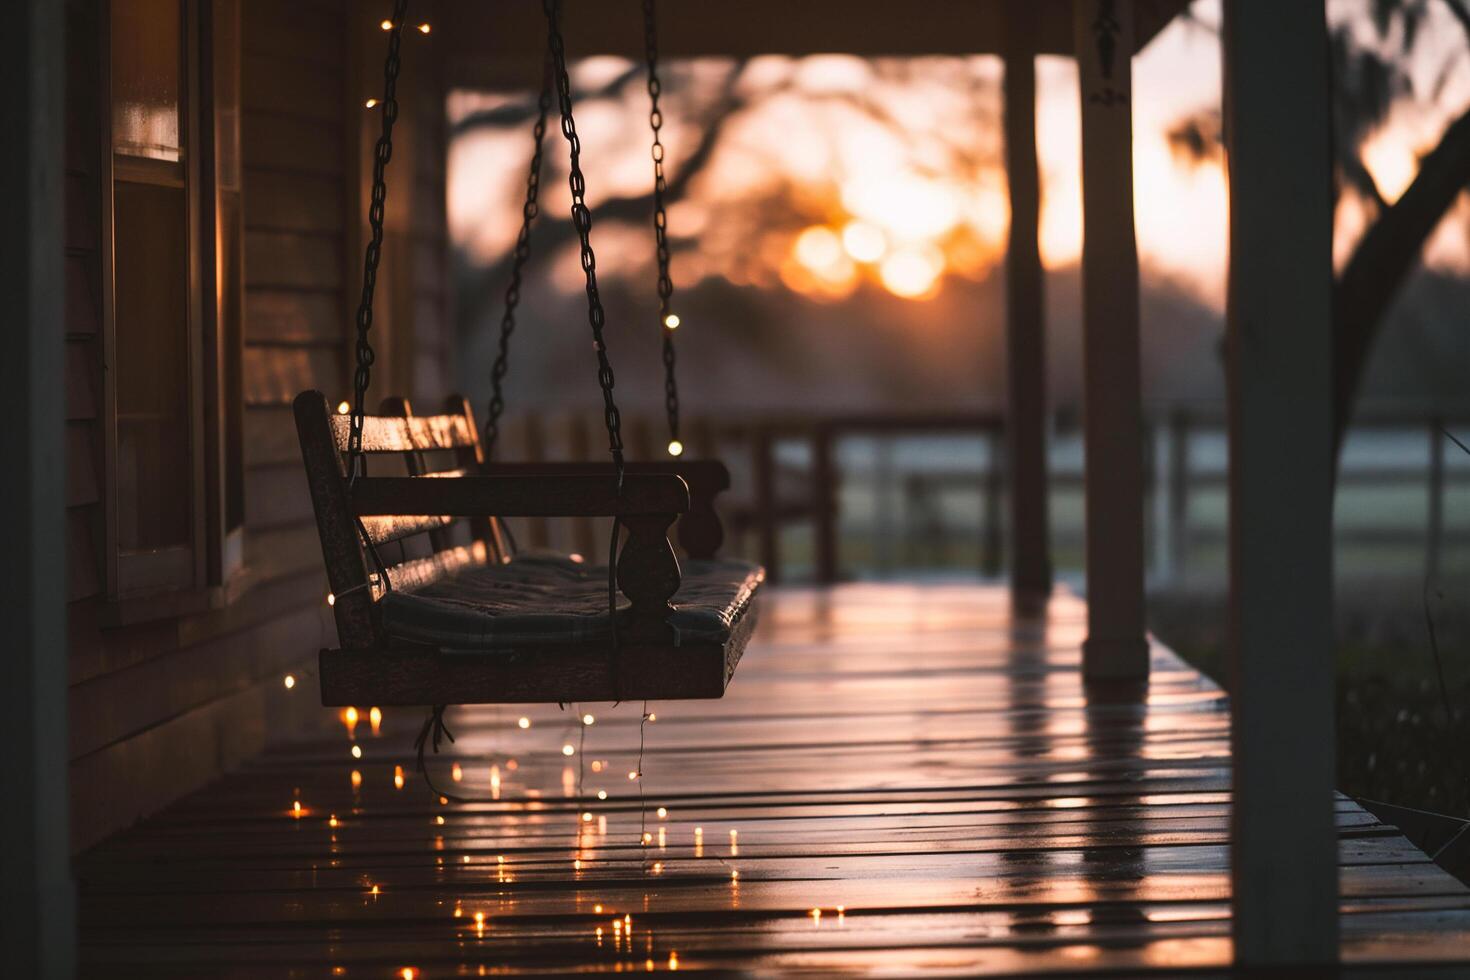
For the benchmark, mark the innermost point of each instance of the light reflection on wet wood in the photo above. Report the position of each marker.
(930, 776)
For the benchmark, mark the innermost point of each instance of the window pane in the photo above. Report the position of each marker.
(147, 78)
(154, 476)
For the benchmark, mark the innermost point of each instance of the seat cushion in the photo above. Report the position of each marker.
(549, 600)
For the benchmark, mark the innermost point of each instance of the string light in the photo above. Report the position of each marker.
(356, 751)
(524, 723)
(425, 28)
(331, 599)
(662, 812)
(602, 794)
(672, 321)
(290, 682)
(375, 719)
(332, 820)
(633, 775)
(369, 104)
(386, 25)
(676, 448)
(356, 779)
(397, 777)
(342, 407)
(588, 719)
(456, 773)
(568, 749)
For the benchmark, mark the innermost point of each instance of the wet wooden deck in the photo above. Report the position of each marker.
(899, 781)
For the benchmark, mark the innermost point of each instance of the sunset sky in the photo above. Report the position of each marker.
(902, 208)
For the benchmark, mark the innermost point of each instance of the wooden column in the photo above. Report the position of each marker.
(1279, 380)
(1112, 415)
(37, 928)
(1030, 550)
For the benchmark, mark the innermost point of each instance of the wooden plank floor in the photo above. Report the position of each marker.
(929, 777)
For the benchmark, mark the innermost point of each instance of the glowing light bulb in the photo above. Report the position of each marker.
(425, 28)
(375, 719)
(369, 104)
(588, 719)
(586, 817)
(331, 599)
(439, 819)
(342, 407)
(673, 960)
(356, 779)
(479, 918)
(357, 751)
(602, 794)
(662, 812)
(456, 773)
(290, 682)
(524, 723)
(658, 867)
(296, 809)
(672, 321)
(676, 448)
(350, 716)
(597, 766)
(332, 820)
(568, 750)
(647, 837)
(397, 777)
(652, 716)
(632, 775)
(386, 25)
(816, 914)
(734, 875)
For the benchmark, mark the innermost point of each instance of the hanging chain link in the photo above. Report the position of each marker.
(382, 153)
(661, 220)
(529, 211)
(582, 221)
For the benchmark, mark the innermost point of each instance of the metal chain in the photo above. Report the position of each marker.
(529, 211)
(582, 221)
(667, 322)
(382, 153)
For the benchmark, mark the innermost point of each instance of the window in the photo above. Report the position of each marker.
(174, 300)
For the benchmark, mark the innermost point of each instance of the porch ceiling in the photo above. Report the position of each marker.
(498, 45)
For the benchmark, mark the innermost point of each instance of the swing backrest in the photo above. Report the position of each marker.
(414, 550)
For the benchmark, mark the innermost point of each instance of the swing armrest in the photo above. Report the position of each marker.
(521, 496)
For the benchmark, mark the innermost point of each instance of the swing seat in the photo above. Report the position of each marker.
(446, 612)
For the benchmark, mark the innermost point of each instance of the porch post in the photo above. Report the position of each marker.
(36, 918)
(1030, 547)
(1112, 412)
(1279, 380)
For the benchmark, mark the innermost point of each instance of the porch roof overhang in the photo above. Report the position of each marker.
(499, 45)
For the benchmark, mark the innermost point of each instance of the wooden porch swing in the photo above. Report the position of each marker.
(473, 620)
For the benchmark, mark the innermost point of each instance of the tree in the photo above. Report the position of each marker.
(1367, 83)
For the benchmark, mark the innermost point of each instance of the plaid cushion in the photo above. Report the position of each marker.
(541, 600)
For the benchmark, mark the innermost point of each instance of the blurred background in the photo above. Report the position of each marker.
(838, 229)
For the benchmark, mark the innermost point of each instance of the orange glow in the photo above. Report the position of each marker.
(864, 242)
(375, 719)
(912, 273)
(356, 779)
(397, 777)
(456, 773)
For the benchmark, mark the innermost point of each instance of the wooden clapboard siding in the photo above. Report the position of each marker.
(932, 776)
(161, 706)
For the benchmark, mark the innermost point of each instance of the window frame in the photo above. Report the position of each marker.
(199, 574)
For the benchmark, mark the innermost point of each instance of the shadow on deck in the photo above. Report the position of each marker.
(900, 780)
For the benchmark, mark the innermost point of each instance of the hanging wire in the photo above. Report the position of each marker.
(667, 320)
(382, 153)
(529, 211)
